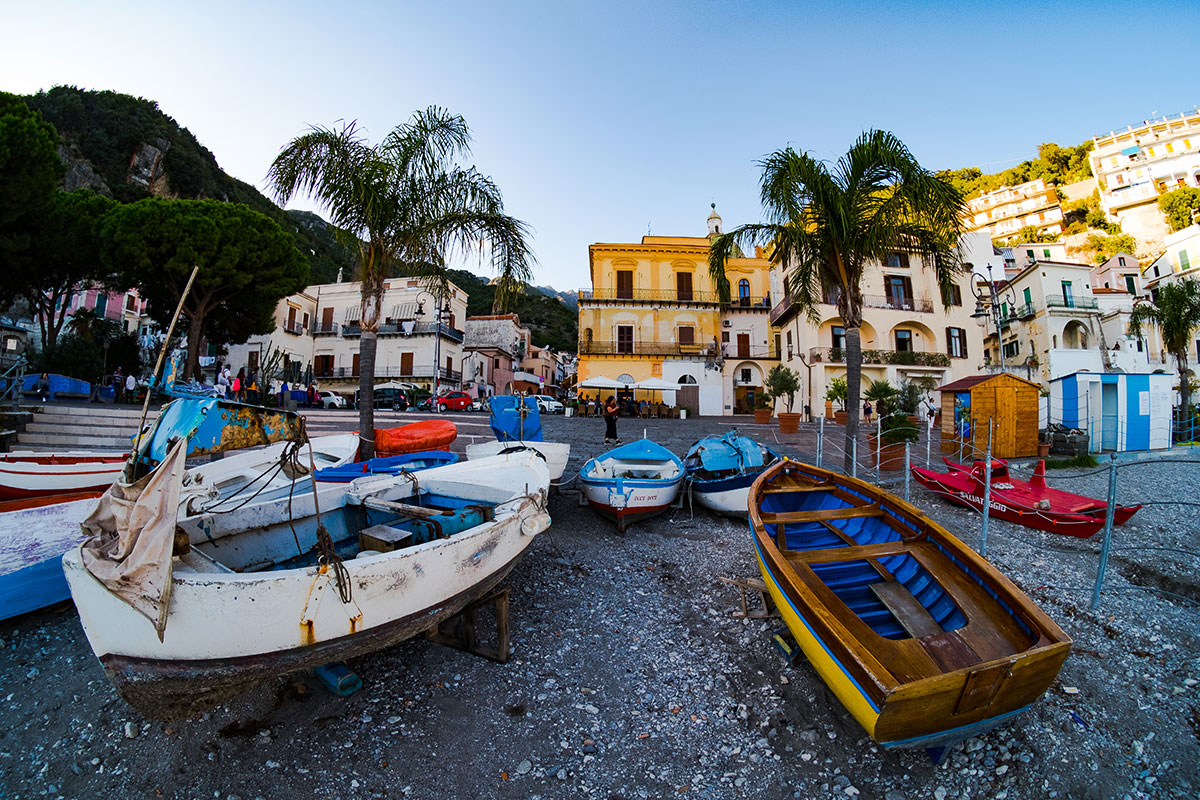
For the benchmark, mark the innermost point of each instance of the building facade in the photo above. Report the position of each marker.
(653, 311)
(1003, 212)
(1136, 165)
(907, 333)
(493, 346)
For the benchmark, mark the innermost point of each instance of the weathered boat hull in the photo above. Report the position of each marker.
(632, 482)
(966, 675)
(28, 475)
(556, 453)
(228, 631)
(729, 496)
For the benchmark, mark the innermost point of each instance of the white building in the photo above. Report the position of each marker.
(1003, 212)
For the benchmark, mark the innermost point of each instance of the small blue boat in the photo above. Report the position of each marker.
(515, 419)
(721, 469)
(632, 482)
(390, 465)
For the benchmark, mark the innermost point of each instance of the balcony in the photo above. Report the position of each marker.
(904, 358)
(1024, 311)
(898, 303)
(335, 373)
(751, 304)
(353, 329)
(610, 295)
(294, 328)
(781, 308)
(638, 348)
(325, 329)
(1070, 301)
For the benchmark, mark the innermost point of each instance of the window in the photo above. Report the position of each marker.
(1068, 299)
(687, 336)
(955, 295)
(1184, 263)
(904, 341)
(1131, 284)
(744, 292)
(495, 363)
(1121, 260)
(101, 303)
(899, 291)
(130, 303)
(1032, 257)
(625, 339)
(624, 284)
(1150, 152)
(683, 287)
(1046, 252)
(746, 378)
(1170, 147)
(1028, 297)
(724, 337)
(897, 261)
(1012, 349)
(956, 342)
(839, 337)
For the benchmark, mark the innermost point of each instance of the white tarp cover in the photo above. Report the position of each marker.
(133, 535)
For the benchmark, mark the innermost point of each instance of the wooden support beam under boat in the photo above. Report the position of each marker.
(460, 630)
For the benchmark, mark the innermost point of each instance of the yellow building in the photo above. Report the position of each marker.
(653, 312)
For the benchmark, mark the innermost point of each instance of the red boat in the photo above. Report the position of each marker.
(1031, 503)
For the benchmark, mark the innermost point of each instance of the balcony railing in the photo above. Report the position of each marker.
(1023, 311)
(922, 305)
(639, 348)
(780, 309)
(1070, 301)
(294, 328)
(325, 329)
(391, 372)
(750, 304)
(905, 358)
(647, 296)
(352, 329)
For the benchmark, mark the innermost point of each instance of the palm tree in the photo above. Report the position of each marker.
(826, 224)
(1176, 312)
(407, 203)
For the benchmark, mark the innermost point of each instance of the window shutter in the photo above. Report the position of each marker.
(949, 345)
(904, 260)
(962, 336)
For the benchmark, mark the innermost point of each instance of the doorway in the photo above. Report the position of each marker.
(1108, 416)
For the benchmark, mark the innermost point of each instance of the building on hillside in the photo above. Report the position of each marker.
(653, 312)
(539, 372)
(494, 345)
(410, 336)
(1121, 271)
(907, 333)
(1179, 259)
(1019, 256)
(1005, 211)
(1136, 165)
(1060, 325)
(127, 309)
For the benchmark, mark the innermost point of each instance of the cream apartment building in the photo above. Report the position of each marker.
(1136, 165)
(1004, 211)
(319, 331)
(907, 332)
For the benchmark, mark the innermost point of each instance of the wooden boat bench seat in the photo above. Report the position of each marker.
(820, 515)
(907, 609)
(198, 561)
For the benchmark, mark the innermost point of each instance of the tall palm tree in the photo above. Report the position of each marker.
(1176, 312)
(406, 203)
(826, 224)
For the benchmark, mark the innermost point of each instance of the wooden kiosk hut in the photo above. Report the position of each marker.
(1011, 403)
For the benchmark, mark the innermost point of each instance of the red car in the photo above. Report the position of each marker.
(454, 401)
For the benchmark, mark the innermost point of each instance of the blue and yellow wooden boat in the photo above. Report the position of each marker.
(922, 640)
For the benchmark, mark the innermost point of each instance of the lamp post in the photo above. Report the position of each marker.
(995, 296)
(441, 310)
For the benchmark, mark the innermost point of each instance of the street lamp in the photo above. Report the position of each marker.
(995, 296)
(441, 311)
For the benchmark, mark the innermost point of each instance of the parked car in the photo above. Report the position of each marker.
(547, 404)
(332, 400)
(388, 396)
(481, 404)
(454, 401)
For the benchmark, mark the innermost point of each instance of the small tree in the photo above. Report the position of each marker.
(1176, 312)
(1178, 206)
(783, 382)
(908, 397)
(881, 393)
(836, 392)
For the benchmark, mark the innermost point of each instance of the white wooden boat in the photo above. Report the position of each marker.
(555, 453)
(242, 604)
(33, 540)
(28, 474)
(632, 482)
(720, 470)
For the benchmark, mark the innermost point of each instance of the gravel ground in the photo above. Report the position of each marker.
(630, 678)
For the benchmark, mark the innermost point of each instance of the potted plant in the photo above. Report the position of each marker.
(836, 393)
(908, 400)
(887, 450)
(1043, 443)
(784, 382)
(762, 409)
(880, 394)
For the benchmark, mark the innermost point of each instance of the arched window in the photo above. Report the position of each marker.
(685, 380)
(744, 292)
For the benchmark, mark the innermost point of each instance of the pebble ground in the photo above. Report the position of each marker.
(631, 678)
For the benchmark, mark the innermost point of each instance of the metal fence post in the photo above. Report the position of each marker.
(878, 444)
(854, 457)
(1108, 530)
(906, 473)
(820, 440)
(928, 442)
(987, 493)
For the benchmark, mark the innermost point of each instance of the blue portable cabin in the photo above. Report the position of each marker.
(1120, 411)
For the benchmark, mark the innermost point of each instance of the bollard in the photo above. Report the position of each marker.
(820, 440)
(854, 457)
(987, 493)
(906, 472)
(1108, 530)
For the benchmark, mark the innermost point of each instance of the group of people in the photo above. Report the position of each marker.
(591, 407)
(241, 387)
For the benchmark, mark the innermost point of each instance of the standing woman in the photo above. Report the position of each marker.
(611, 410)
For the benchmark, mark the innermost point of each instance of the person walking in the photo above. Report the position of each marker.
(611, 411)
(118, 382)
(130, 388)
(239, 386)
(867, 411)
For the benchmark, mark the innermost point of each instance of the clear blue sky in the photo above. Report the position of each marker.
(599, 119)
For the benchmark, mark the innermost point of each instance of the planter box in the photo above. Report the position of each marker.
(891, 455)
(839, 417)
(789, 423)
(762, 416)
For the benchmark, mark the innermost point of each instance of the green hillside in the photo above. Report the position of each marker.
(126, 148)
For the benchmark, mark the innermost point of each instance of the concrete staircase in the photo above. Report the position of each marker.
(90, 427)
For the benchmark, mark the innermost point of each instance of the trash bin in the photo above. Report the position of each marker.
(683, 413)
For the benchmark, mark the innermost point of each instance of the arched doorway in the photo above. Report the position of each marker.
(747, 386)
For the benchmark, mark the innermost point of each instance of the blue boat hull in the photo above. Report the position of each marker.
(36, 586)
